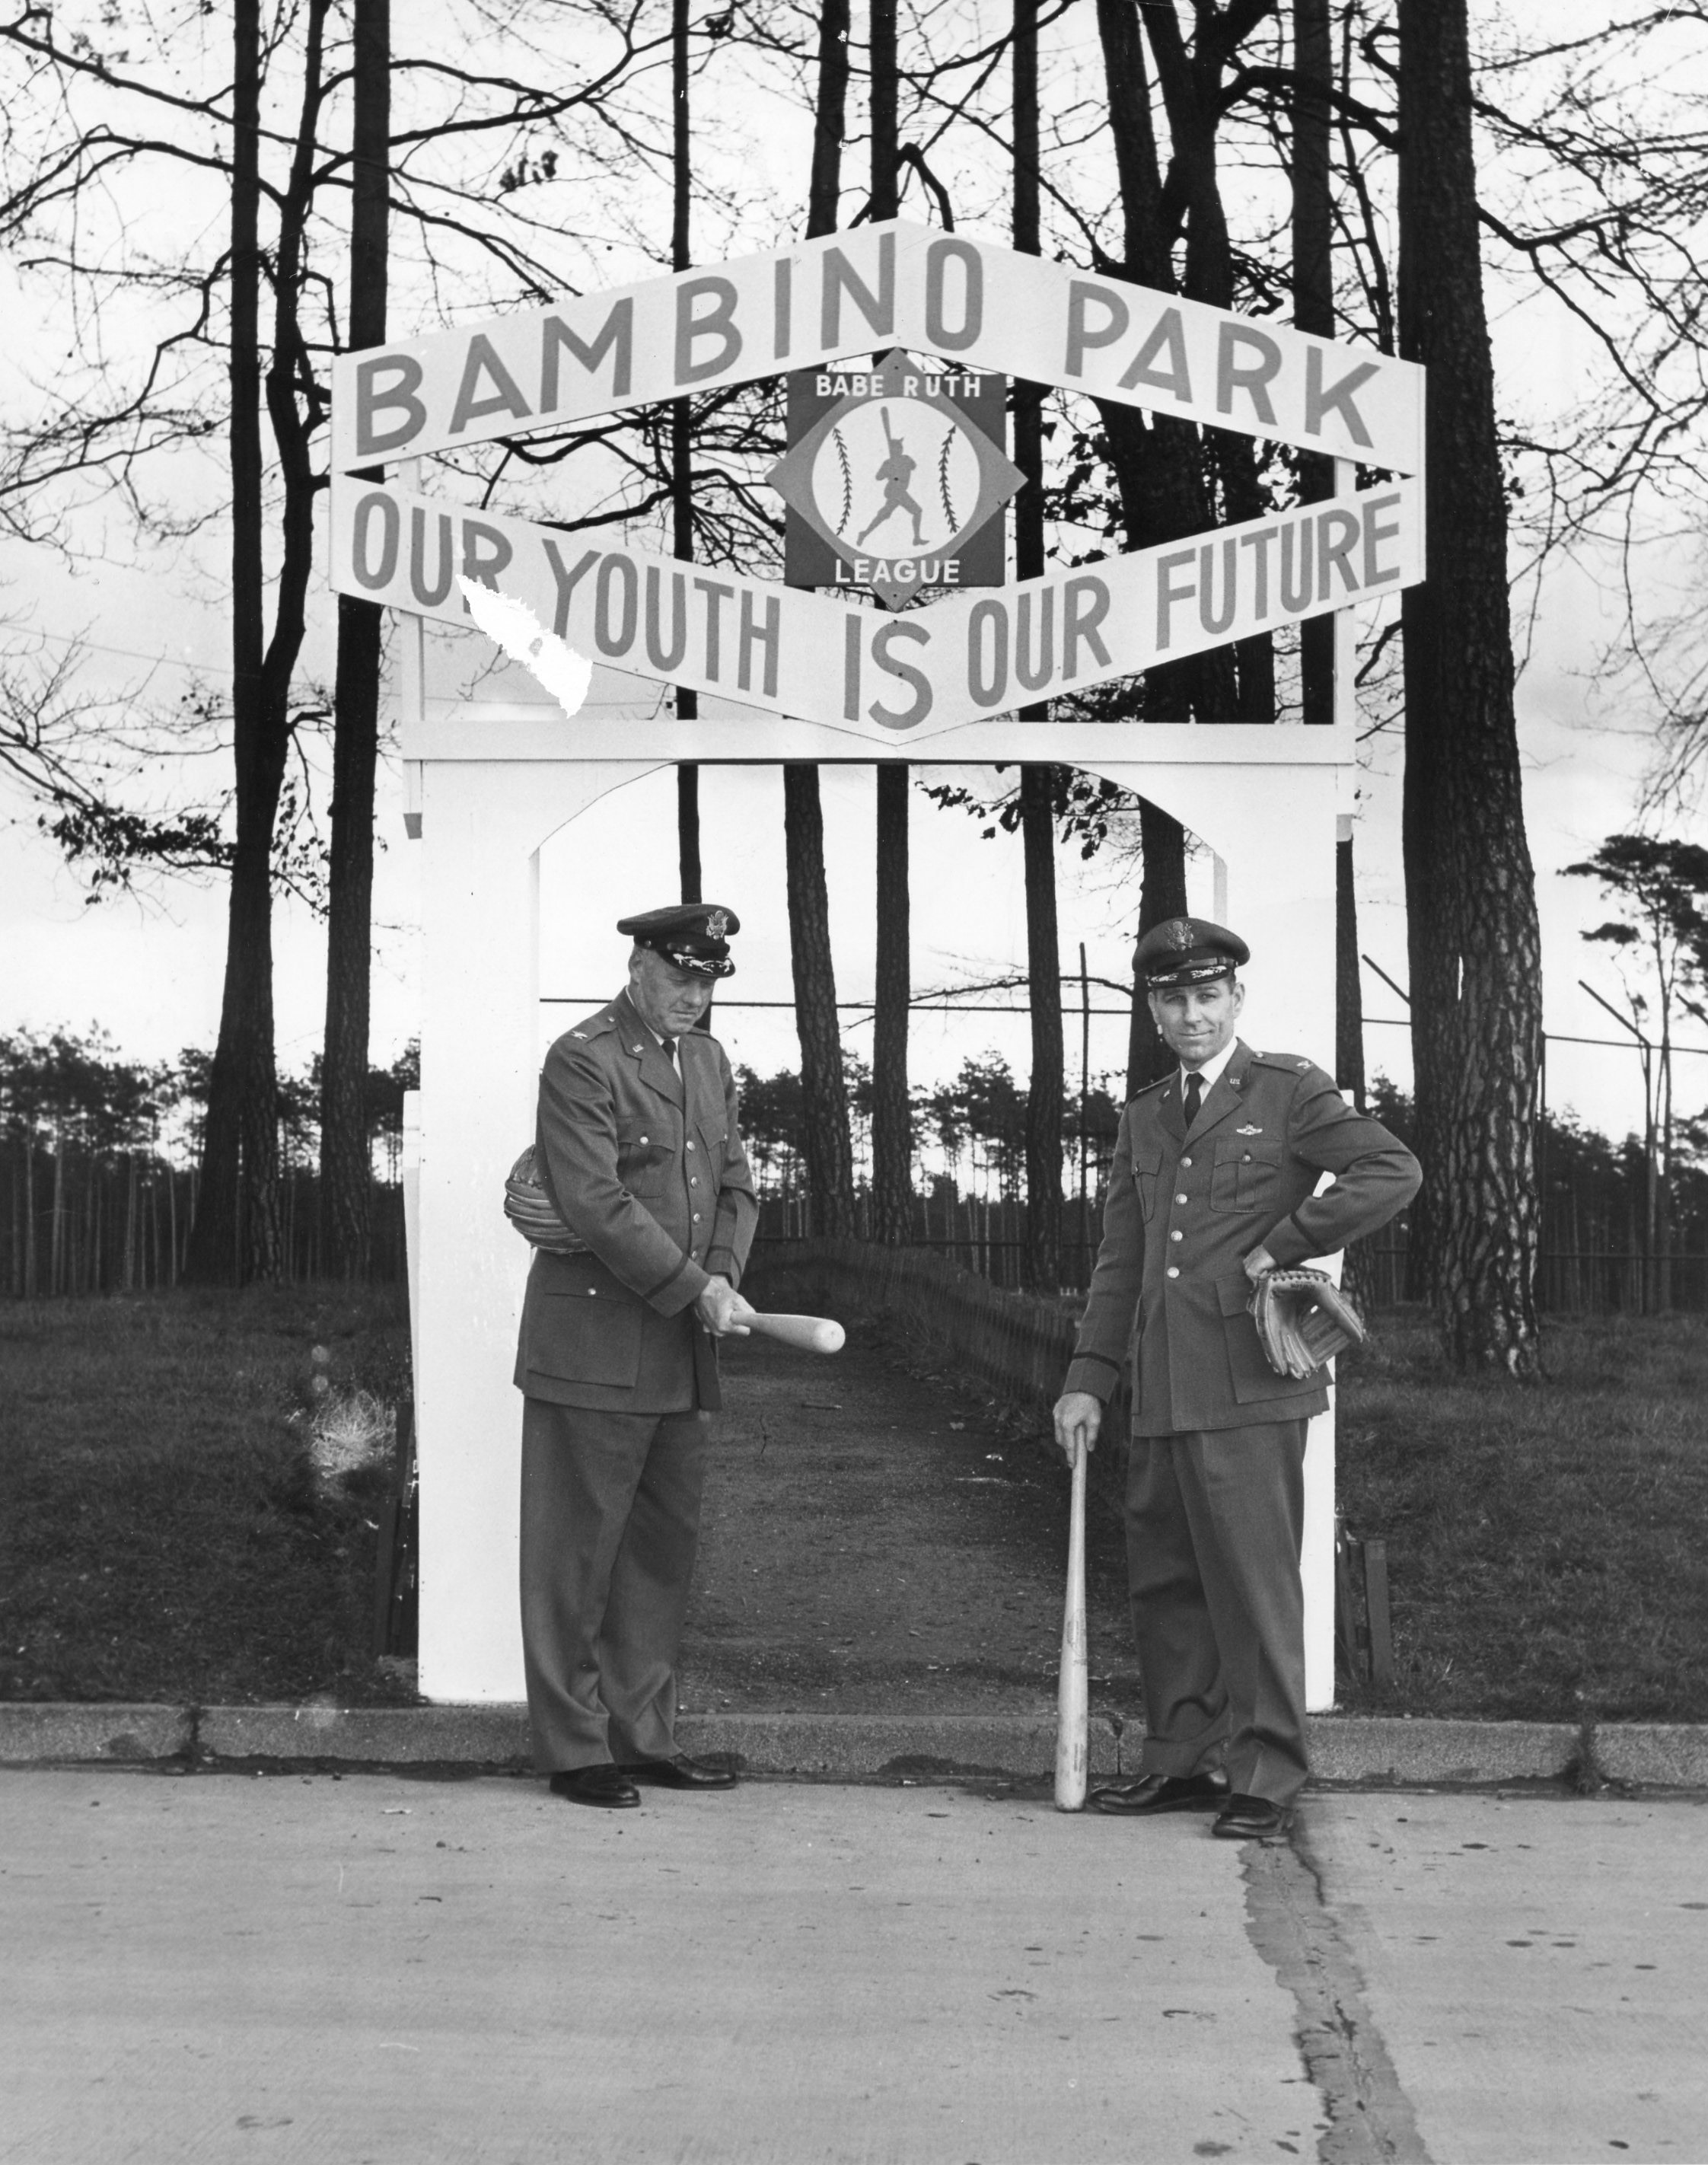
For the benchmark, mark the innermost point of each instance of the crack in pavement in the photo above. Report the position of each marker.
(1290, 1923)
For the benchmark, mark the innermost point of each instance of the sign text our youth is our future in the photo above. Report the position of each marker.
(795, 652)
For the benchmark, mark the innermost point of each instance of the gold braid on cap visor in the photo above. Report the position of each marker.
(1189, 974)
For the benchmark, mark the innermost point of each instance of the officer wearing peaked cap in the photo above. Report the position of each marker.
(638, 1148)
(1214, 1181)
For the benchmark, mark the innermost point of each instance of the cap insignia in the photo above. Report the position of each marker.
(1179, 934)
(716, 925)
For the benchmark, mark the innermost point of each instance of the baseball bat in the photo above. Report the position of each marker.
(807, 1334)
(1072, 1690)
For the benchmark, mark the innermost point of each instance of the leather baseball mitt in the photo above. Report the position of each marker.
(533, 1214)
(1303, 1320)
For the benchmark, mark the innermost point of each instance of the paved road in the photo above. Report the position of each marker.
(407, 1971)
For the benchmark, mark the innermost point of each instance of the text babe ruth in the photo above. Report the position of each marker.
(1213, 1184)
(638, 1148)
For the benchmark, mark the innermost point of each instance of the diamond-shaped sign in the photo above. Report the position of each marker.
(896, 475)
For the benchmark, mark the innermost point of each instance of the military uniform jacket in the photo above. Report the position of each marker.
(1181, 1217)
(646, 1166)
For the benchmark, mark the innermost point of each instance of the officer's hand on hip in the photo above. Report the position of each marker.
(722, 1309)
(1078, 1418)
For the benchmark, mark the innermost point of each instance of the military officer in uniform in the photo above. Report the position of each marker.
(636, 1146)
(1213, 1183)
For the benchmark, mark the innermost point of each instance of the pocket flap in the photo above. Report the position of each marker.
(1234, 1294)
(1243, 1150)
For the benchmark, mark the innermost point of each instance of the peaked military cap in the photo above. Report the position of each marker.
(694, 936)
(1187, 951)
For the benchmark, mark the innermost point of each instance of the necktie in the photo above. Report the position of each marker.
(667, 1045)
(1194, 1098)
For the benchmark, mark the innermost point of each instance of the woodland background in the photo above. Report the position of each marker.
(200, 205)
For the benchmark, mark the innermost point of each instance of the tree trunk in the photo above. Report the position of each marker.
(892, 1125)
(346, 1171)
(235, 1236)
(1044, 1102)
(892, 1114)
(688, 821)
(1162, 894)
(829, 118)
(1037, 784)
(1157, 460)
(885, 86)
(823, 1093)
(1313, 299)
(1357, 1270)
(1192, 96)
(1348, 997)
(1474, 953)
(683, 449)
(827, 1148)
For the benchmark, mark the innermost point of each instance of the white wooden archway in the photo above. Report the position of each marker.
(488, 786)
(491, 783)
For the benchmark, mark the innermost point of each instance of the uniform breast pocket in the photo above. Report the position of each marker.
(644, 1156)
(1147, 1173)
(1245, 1175)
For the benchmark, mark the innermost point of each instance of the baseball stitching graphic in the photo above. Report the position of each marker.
(948, 508)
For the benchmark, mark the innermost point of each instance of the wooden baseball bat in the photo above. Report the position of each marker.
(1073, 1688)
(807, 1334)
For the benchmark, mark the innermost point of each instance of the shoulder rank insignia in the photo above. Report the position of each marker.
(1248, 1131)
(582, 1034)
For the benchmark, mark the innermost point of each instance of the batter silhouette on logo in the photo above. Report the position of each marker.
(894, 473)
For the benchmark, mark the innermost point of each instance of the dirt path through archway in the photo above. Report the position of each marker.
(878, 1538)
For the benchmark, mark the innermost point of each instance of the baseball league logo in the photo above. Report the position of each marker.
(895, 475)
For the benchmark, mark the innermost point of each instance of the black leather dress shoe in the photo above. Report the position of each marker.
(1250, 1819)
(1161, 1792)
(604, 1785)
(681, 1773)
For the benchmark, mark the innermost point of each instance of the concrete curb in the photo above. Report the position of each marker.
(81, 1731)
(852, 1746)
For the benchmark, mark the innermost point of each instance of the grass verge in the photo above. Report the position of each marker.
(1544, 1543)
(166, 1533)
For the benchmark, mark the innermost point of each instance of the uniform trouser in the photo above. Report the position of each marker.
(1215, 1520)
(610, 1524)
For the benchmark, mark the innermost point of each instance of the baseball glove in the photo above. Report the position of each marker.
(533, 1214)
(1303, 1320)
